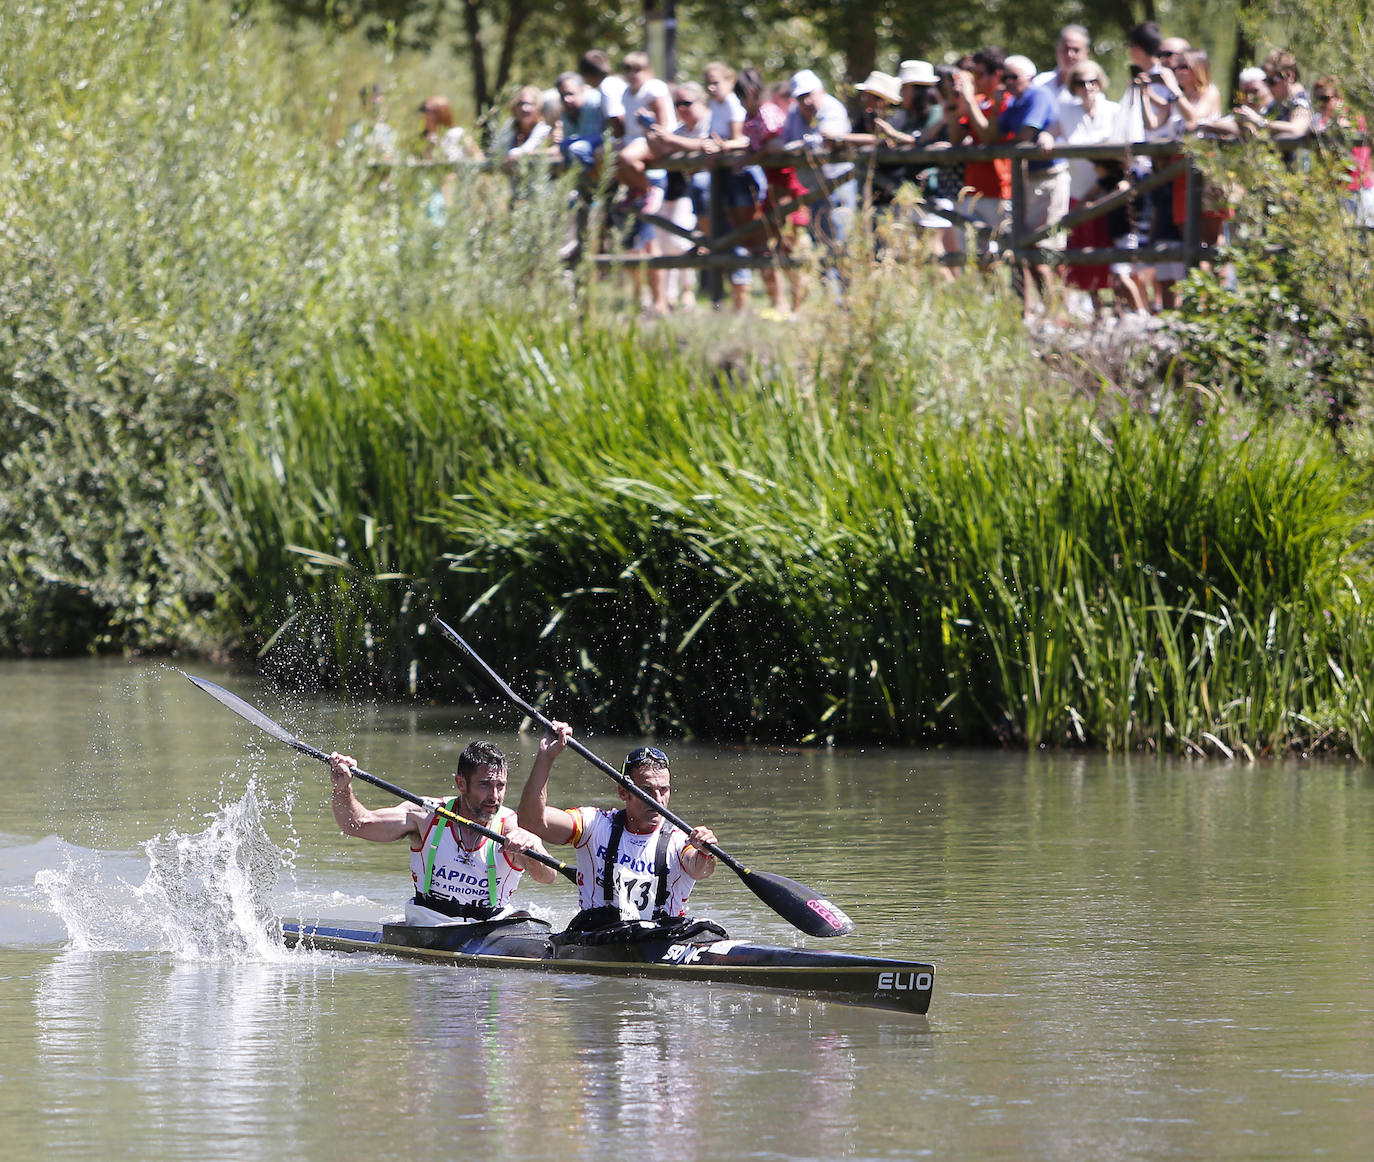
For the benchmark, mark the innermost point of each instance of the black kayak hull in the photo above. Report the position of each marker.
(877, 982)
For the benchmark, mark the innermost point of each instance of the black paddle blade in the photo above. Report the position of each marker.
(255, 716)
(798, 905)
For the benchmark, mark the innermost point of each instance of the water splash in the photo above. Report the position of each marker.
(204, 897)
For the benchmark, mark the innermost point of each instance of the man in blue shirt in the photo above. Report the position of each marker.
(583, 123)
(1032, 119)
(817, 119)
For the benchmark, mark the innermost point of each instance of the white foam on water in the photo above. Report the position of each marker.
(204, 896)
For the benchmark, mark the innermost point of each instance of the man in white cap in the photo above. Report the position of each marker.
(816, 119)
(1032, 118)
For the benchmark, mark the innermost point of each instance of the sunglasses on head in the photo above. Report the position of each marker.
(640, 753)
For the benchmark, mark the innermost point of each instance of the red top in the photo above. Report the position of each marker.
(760, 129)
(990, 179)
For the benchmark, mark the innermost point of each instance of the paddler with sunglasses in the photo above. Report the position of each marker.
(632, 864)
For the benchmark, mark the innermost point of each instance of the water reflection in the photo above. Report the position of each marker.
(635, 1067)
(146, 1051)
(1137, 959)
(174, 1047)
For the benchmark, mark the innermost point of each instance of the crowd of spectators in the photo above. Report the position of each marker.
(613, 127)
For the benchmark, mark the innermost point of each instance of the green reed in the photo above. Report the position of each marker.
(180, 234)
(660, 547)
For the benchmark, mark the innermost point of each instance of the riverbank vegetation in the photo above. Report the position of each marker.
(260, 407)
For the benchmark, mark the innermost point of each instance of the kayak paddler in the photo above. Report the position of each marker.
(458, 873)
(632, 864)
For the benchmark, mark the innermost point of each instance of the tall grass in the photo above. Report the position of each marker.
(756, 556)
(179, 234)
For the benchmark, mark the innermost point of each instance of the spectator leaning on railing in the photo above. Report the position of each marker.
(1032, 119)
(763, 127)
(879, 97)
(1087, 119)
(816, 119)
(583, 122)
(986, 197)
(691, 135)
(744, 187)
(1336, 131)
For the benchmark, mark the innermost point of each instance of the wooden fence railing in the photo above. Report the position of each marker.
(713, 248)
(713, 244)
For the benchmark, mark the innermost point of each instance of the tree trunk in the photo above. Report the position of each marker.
(860, 39)
(517, 13)
(472, 22)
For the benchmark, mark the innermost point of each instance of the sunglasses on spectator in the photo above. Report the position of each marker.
(641, 753)
(683, 102)
(1323, 96)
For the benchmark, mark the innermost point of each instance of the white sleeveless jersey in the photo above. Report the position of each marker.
(443, 867)
(635, 888)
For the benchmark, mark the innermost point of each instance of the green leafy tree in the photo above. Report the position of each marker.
(504, 41)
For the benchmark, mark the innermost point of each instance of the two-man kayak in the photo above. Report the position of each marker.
(700, 955)
(679, 949)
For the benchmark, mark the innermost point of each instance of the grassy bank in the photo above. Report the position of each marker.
(180, 234)
(257, 403)
(666, 548)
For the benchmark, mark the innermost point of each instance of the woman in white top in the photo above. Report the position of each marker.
(443, 141)
(440, 138)
(1088, 117)
(727, 114)
(692, 134)
(528, 135)
(744, 186)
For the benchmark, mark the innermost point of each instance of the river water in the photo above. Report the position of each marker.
(1136, 958)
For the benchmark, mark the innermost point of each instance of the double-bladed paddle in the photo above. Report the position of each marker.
(799, 905)
(281, 734)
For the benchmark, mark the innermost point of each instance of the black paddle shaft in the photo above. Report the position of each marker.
(252, 714)
(595, 759)
(794, 902)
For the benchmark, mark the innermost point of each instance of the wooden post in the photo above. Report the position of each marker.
(1192, 225)
(1018, 224)
(719, 224)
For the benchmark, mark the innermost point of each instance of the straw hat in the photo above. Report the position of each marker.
(882, 86)
(916, 73)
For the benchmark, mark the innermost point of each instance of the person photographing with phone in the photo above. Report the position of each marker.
(648, 105)
(1148, 113)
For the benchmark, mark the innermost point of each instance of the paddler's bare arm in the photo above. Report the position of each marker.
(384, 826)
(695, 862)
(551, 824)
(519, 841)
